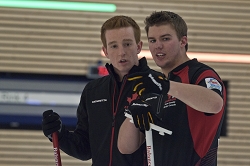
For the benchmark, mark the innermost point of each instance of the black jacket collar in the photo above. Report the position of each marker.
(142, 67)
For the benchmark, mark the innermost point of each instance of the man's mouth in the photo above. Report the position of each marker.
(123, 60)
(160, 55)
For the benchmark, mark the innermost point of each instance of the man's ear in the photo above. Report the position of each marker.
(139, 47)
(105, 51)
(184, 41)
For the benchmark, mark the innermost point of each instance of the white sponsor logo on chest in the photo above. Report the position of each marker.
(99, 101)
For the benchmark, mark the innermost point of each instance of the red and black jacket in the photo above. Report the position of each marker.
(194, 141)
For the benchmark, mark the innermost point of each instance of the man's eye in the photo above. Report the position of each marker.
(152, 41)
(127, 44)
(166, 39)
(113, 46)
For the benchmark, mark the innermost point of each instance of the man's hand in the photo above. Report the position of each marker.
(141, 113)
(145, 83)
(51, 123)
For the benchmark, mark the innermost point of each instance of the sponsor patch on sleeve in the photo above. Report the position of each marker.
(212, 83)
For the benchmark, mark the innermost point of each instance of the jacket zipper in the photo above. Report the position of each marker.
(114, 114)
(159, 104)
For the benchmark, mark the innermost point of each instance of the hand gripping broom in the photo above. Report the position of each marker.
(149, 139)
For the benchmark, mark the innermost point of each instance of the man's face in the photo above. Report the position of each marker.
(164, 45)
(122, 49)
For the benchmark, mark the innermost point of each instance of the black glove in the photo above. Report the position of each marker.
(145, 83)
(141, 113)
(51, 123)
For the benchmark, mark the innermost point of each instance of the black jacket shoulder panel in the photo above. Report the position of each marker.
(97, 82)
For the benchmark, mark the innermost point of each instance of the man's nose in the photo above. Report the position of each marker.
(121, 51)
(158, 45)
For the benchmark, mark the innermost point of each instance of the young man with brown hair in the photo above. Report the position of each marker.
(189, 100)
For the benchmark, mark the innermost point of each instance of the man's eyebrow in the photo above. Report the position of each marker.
(165, 35)
(127, 40)
(113, 42)
(124, 40)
